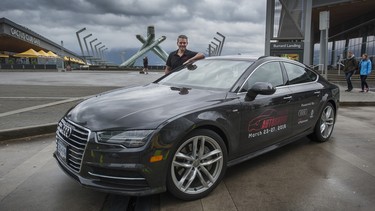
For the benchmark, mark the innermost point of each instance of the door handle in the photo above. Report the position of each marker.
(287, 98)
(317, 93)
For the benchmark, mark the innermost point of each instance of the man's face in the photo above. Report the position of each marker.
(182, 43)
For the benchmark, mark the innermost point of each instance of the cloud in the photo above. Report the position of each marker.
(116, 22)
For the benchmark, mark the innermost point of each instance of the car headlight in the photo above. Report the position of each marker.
(131, 139)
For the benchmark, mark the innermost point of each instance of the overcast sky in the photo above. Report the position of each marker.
(116, 22)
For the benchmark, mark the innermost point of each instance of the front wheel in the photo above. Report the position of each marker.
(197, 166)
(324, 126)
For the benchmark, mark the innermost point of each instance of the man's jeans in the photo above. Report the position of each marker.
(348, 77)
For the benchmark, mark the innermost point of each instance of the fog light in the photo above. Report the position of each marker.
(156, 158)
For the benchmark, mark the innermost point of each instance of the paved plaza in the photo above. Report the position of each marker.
(301, 176)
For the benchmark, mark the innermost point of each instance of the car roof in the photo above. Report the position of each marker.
(234, 57)
(248, 58)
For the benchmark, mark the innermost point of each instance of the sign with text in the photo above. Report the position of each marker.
(287, 45)
(24, 36)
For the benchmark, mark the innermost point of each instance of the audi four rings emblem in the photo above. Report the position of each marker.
(66, 130)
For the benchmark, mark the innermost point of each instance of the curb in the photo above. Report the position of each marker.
(23, 132)
(356, 103)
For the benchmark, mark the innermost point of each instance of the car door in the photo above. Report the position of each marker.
(306, 96)
(265, 120)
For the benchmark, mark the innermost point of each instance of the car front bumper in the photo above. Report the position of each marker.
(100, 179)
(108, 168)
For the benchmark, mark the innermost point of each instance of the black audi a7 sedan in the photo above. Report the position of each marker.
(181, 132)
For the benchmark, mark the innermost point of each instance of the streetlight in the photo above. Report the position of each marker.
(79, 41)
(216, 49)
(92, 49)
(104, 57)
(62, 54)
(210, 50)
(97, 49)
(222, 43)
(87, 49)
(219, 45)
(101, 56)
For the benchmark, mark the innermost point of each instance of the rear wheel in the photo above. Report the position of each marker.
(324, 126)
(198, 165)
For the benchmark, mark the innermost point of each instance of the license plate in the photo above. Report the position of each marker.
(61, 150)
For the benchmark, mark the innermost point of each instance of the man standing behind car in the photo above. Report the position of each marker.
(350, 67)
(182, 55)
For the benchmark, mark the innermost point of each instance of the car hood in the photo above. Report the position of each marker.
(143, 107)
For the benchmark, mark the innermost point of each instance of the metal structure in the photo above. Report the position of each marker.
(100, 52)
(92, 50)
(216, 48)
(149, 44)
(62, 54)
(104, 56)
(219, 46)
(288, 26)
(79, 41)
(222, 42)
(87, 49)
(95, 57)
(216, 51)
(305, 30)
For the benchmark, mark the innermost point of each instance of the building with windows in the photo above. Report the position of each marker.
(313, 31)
(22, 48)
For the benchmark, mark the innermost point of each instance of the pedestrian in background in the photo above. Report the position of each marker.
(145, 65)
(182, 55)
(350, 66)
(365, 67)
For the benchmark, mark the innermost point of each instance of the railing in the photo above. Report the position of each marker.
(336, 57)
(29, 66)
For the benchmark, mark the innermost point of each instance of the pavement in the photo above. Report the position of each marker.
(31, 103)
(301, 176)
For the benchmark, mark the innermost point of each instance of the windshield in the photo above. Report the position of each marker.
(207, 74)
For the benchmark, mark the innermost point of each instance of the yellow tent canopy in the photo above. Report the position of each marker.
(51, 54)
(31, 53)
(43, 53)
(73, 60)
(4, 55)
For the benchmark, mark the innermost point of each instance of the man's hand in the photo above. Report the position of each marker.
(167, 70)
(188, 61)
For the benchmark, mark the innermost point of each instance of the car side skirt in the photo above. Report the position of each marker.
(267, 149)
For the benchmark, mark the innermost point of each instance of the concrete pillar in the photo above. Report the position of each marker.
(307, 52)
(270, 10)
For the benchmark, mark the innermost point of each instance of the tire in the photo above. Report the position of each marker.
(197, 166)
(325, 124)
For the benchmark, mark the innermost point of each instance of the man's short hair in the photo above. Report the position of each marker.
(182, 37)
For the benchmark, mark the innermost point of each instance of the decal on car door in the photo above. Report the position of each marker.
(305, 113)
(268, 122)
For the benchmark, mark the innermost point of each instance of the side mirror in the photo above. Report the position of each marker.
(262, 88)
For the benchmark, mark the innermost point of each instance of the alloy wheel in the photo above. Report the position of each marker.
(197, 165)
(327, 121)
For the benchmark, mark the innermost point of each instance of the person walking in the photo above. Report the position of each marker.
(350, 66)
(145, 65)
(182, 55)
(365, 67)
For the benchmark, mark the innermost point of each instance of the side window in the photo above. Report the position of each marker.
(270, 72)
(298, 74)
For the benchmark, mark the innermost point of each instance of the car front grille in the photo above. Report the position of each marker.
(75, 138)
